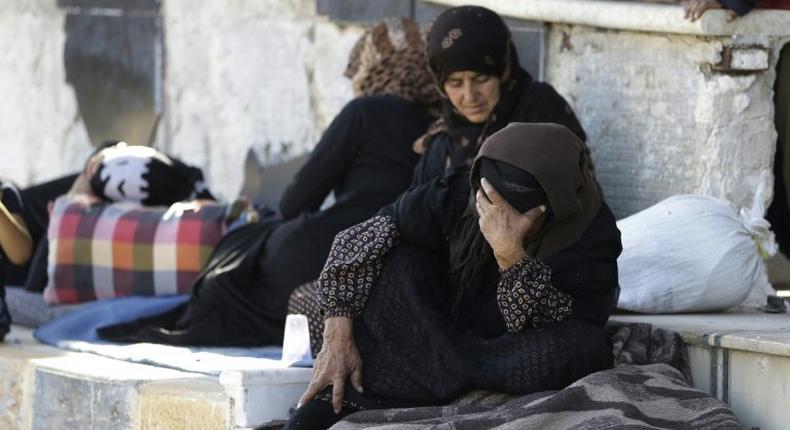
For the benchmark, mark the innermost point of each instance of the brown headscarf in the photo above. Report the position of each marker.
(557, 159)
(389, 58)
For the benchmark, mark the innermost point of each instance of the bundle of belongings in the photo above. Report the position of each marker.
(693, 254)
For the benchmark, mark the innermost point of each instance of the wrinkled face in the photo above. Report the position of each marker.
(473, 94)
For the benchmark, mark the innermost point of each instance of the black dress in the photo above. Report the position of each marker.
(366, 157)
(535, 326)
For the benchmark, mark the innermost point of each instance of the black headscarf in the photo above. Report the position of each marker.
(477, 39)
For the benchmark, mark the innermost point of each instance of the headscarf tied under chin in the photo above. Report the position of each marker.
(554, 157)
(389, 58)
(473, 38)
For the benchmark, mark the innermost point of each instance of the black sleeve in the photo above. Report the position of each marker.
(326, 165)
(11, 198)
(587, 270)
(426, 214)
(741, 7)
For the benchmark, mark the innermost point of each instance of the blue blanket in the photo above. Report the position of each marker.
(81, 324)
(76, 331)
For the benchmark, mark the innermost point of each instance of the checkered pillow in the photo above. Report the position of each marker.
(102, 250)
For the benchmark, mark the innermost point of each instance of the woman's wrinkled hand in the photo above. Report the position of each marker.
(503, 227)
(338, 360)
(694, 9)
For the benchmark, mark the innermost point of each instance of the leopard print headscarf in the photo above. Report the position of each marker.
(389, 58)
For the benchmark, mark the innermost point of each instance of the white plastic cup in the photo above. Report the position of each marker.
(296, 341)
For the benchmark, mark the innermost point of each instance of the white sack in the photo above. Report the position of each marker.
(692, 254)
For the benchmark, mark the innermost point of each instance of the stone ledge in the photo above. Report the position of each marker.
(635, 16)
(43, 387)
(738, 330)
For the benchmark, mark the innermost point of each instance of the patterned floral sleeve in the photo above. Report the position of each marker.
(355, 261)
(526, 296)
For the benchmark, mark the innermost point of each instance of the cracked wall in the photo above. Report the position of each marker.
(659, 122)
(239, 75)
(42, 134)
(249, 75)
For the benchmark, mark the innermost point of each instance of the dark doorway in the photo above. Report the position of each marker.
(779, 211)
(114, 61)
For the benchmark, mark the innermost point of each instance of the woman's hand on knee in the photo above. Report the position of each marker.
(338, 361)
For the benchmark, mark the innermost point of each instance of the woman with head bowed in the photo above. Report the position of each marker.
(483, 87)
(497, 277)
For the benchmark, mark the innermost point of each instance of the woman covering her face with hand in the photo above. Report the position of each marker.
(502, 282)
(475, 66)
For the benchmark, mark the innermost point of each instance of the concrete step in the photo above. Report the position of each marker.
(46, 388)
(741, 357)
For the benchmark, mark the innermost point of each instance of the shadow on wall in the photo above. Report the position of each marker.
(113, 60)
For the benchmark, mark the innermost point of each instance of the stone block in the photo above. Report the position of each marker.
(77, 402)
(15, 387)
(749, 59)
(265, 395)
(194, 404)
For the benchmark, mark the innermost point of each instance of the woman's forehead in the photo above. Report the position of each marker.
(464, 74)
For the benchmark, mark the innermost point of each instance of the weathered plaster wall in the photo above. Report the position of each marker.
(238, 75)
(248, 74)
(659, 121)
(41, 132)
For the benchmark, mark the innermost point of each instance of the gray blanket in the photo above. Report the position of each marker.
(649, 388)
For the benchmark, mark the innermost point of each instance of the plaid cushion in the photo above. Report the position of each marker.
(103, 250)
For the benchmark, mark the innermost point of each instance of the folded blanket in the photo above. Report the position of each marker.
(649, 388)
(654, 396)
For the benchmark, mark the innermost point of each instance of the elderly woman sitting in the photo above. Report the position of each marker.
(502, 283)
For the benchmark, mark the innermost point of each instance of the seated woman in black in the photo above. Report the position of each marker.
(503, 283)
(484, 88)
(365, 157)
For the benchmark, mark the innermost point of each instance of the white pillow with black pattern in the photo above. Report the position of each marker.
(144, 175)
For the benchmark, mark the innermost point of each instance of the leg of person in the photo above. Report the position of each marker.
(315, 415)
(36, 215)
(538, 359)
